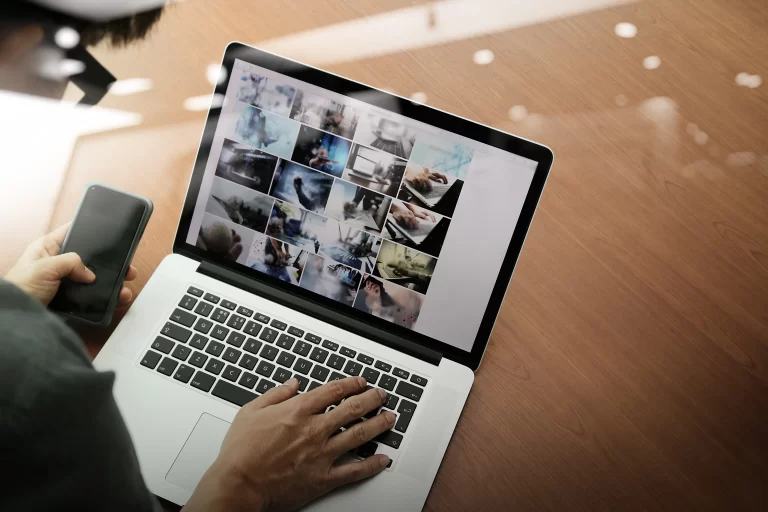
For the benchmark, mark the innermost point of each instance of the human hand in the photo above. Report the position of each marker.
(419, 213)
(437, 176)
(279, 453)
(41, 268)
(406, 219)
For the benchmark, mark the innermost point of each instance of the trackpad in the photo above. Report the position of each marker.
(199, 452)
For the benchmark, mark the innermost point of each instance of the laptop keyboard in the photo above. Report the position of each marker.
(236, 353)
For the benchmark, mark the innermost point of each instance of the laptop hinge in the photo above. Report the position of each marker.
(320, 312)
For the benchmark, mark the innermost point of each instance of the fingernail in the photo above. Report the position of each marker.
(362, 382)
(385, 461)
(90, 274)
(390, 417)
(291, 382)
(382, 394)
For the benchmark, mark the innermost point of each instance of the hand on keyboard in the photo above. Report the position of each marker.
(279, 452)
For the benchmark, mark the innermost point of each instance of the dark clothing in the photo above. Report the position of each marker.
(63, 443)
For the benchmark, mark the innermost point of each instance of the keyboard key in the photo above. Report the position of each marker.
(295, 331)
(409, 390)
(215, 348)
(231, 373)
(181, 352)
(188, 302)
(252, 346)
(184, 373)
(245, 311)
(248, 362)
(211, 298)
(182, 317)
(389, 438)
(313, 338)
(285, 341)
(203, 325)
(248, 380)
(214, 366)
(167, 366)
(202, 381)
(236, 321)
(277, 324)
(406, 411)
(391, 402)
(232, 393)
(320, 373)
(302, 348)
(319, 355)
(260, 317)
(313, 385)
(231, 355)
(269, 353)
(150, 359)
(370, 375)
(347, 352)
(388, 382)
(364, 359)
(220, 315)
(235, 338)
(176, 332)
(203, 309)
(421, 381)
(268, 335)
(264, 386)
(367, 450)
(219, 332)
(302, 366)
(282, 375)
(353, 368)
(198, 359)
(198, 341)
(286, 359)
(333, 347)
(303, 382)
(336, 376)
(385, 367)
(163, 345)
(336, 362)
(197, 292)
(401, 373)
(264, 368)
(252, 328)
(228, 304)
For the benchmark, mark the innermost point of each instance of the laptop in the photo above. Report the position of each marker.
(210, 332)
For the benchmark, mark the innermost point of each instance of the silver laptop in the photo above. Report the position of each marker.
(259, 289)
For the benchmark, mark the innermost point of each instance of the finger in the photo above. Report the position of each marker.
(125, 297)
(355, 408)
(360, 434)
(132, 273)
(276, 395)
(354, 471)
(57, 235)
(331, 393)
(236, 251)
(69, 265)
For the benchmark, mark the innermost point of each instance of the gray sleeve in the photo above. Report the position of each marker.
(64, 443)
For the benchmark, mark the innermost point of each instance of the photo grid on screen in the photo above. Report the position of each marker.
(340, 200)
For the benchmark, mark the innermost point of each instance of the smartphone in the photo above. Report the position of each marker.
(105, 232)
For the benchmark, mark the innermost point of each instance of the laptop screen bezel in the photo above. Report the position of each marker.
(425, 114)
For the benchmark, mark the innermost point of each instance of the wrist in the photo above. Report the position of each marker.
(224, 488)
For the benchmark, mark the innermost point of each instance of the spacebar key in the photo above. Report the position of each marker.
(234, 394)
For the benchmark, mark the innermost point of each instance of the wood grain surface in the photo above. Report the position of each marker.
(629, 366)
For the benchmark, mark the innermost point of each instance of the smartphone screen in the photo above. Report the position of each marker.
(102, 234)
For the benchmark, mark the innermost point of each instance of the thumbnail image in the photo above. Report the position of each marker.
(405, 266)
(301, 186)
(325, 114)
(239, 204)
(331, 279)
(430, 189)
(358, 206)
(374, 169)
(388, 301)
(265, 93)
(321, 151)
(289, 223)
(246, 166)
(416, 227)
(441, 156)
(224, 239)
(386, 134)
(266, 131)
(277, 259)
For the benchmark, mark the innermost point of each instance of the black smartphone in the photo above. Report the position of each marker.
(105, 232)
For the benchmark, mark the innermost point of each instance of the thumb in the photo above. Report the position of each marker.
(69, 265)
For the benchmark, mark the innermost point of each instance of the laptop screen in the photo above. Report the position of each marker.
(378, 212)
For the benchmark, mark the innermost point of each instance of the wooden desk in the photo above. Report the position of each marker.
(629, 366)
